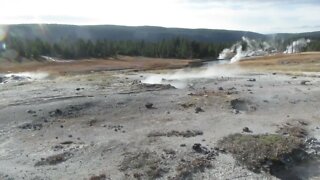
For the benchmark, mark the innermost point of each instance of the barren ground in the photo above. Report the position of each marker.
(101, 125)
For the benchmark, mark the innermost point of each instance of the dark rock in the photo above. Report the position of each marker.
(235, 111)
(31, 126)
(66, 142)
(55, 159)
(31, 112)
(57, 112)
(304, 82)
(197, 147)
(252, 80)
(303, 123)
(247, 130)
(220, 88)
(199, 109)
(100, 177)
(239, 105)
(78, 89)
(185, 134)
(149, 105)
(183, 145)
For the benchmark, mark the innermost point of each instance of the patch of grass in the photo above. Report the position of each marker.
(55, 159)
(263, 152)
(302, 62)
(187, 169)
(186, 134)
(295, 131)
(143, 165)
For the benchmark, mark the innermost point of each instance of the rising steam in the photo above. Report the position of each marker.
(297, 46)
(253, 48)
(247, 48)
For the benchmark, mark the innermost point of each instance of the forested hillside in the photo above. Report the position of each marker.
(102, 41)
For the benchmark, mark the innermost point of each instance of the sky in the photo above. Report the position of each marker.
(263, 16)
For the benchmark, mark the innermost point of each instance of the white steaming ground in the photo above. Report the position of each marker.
(181, 78)
(25, 76)
(252, 48)
(297, 46)
(29, 75)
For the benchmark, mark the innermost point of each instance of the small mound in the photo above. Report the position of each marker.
(242, 105)
(143, 165)
(267, 152)
(55, 159)
(186, 134)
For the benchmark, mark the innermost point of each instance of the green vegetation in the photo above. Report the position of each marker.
(263, 152)
(174, 48)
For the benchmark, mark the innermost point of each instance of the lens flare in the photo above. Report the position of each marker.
(3, 32)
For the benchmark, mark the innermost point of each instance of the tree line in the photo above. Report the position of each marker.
(180, 48)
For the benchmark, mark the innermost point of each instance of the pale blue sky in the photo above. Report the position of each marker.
(265, 16)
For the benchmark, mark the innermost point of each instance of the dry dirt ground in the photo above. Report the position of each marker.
(109, 125)
(85, 66)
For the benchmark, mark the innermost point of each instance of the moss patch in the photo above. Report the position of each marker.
(263, 152)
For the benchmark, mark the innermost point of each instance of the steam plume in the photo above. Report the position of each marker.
(297, 46)
(247, 48)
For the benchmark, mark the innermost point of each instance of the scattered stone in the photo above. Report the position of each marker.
(187, 105)
(99, 177)
(313, 146)
(252, 79)
(31, 112)
(169, 151)
(55, 159)
(304, 82)
(57, 112)
(92, 122)
(293, 130)
(235, 111)
(116, 128)
(31, 126)
(220, 88)
(246, 130)
(183, 145)
(274, 73)
(186, 134)
(66, 142)
(240, 105)
(197, 147)
(149, 105)
(78, 89)
(186, 170)
(303, 123)
(57, 147)
(154, 87)
(199, 109)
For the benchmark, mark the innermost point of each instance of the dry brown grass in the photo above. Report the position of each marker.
(80, 66)
(302, 62)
